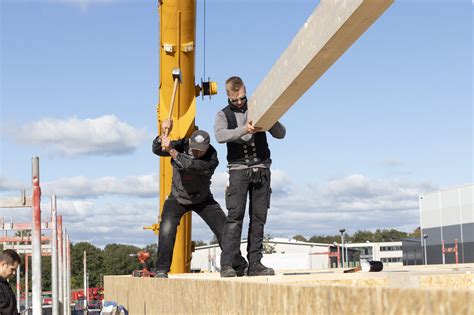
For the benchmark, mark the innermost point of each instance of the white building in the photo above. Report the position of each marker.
(289, 254)
(447, 216)
(390, 253)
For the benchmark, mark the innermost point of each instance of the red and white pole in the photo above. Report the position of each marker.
(36, 238)
(27, 289)
(60, 262)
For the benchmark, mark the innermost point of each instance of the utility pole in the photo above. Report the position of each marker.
(342, 244)
(54, 257)
(85, 282)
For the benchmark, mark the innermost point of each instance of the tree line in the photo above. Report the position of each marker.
(114, 259)
(361, 236)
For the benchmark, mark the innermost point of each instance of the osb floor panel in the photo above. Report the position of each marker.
(440, 289)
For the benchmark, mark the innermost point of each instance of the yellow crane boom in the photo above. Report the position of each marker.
(177, 45)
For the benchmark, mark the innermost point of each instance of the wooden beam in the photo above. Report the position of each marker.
(330, 30)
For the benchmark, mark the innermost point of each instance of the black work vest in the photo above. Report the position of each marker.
(251, 153)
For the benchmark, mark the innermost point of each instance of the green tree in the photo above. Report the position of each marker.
(45, 273)
(416, 233)
(362, 236)
(117, 259)
(325, 239)
(386, 235)
(300, 238)
(95, 264)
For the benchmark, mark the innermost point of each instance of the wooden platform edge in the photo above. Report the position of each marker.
(194, 296)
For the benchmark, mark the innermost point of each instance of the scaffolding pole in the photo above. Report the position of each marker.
(18, 288)
(65, 300)
(68, 266)
(60, 263)
(27, 302)
(85, 281)
(35, 249)
(36, 238)
(54, 256)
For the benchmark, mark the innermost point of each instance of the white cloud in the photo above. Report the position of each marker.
(117, 215)
(7, 184)
(83, 187)
(354, 202)
(392, 162)
(105, 135)
(102, 222)
(84, 4)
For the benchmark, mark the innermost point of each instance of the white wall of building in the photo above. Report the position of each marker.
(390, 253)
(289, 255)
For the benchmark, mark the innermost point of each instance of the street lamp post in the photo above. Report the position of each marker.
(342, 244)
(425, 236)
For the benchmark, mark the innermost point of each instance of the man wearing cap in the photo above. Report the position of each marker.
(194, 160)
(249, 163)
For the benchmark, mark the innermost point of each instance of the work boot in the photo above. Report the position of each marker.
(241, 270)
(258, 269)
(227, 272)
(161, 274)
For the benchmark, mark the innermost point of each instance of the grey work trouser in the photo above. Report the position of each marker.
(256, 183)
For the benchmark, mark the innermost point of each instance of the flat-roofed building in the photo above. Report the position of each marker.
(390, 253)
(283, 254)
(447, 216)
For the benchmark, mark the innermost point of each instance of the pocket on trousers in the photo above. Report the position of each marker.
(231, 198)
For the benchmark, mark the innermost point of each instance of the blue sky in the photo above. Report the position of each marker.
(390, 120)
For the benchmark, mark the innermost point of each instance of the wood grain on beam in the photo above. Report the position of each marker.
(330, 30)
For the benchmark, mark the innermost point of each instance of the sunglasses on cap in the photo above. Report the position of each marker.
(238, 100)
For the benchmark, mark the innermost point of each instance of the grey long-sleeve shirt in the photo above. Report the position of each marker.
(240, 134)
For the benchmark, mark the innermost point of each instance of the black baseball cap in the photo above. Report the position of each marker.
(199, 140)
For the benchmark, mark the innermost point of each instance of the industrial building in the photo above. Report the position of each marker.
(287, 254)
(290, 254)
(447, 225)
(390, 253)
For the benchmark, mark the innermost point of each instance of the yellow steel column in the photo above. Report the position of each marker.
(177, 41)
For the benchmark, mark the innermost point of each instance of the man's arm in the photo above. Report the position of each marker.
(203, 166)
(156, 147)
(223, 134)
(174, 147)
(278, 131)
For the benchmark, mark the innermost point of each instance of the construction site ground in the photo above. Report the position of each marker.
(432, 289)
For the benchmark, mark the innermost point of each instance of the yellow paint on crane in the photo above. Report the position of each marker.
(177, 38)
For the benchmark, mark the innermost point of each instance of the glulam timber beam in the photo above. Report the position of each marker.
(330, 30)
